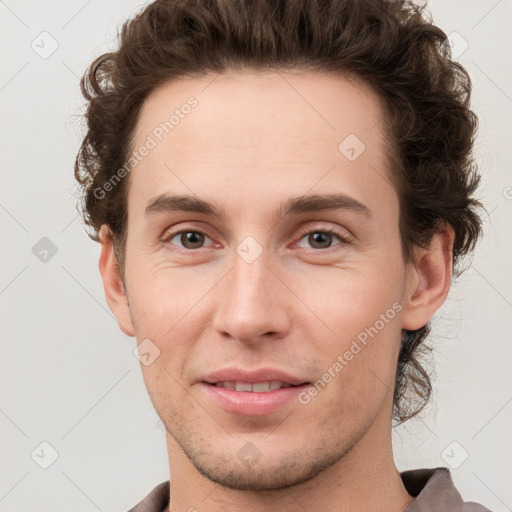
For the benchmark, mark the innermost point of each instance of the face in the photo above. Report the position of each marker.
(266, 281)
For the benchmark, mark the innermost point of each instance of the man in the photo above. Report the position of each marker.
(282, 190)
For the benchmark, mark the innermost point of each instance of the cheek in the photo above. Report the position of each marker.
(350, 299)
(362, 309)
(160, 296)
(166, 304)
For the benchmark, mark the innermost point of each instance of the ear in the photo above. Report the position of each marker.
(428, 279)
(117, 299)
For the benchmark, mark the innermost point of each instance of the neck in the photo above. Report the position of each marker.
(365, 479)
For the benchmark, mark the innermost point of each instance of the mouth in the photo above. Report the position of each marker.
(257, 387)
(252, 399)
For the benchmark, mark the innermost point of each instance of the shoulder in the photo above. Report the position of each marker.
(156, 501)
(434, 490)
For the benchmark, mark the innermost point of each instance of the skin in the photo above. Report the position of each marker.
(254, 140)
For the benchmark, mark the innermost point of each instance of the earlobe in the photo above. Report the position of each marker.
(115, 294)
(428, 280)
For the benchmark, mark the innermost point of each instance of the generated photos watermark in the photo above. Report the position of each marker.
(355, 348)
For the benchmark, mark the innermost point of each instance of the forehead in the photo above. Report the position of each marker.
(254, 131)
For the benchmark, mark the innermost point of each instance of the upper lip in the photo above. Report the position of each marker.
(262, 375)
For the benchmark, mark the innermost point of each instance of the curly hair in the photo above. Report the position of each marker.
(392, 45)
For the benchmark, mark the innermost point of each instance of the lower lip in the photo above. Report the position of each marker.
(250, 403)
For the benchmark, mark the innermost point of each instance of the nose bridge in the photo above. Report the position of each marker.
(251, 276)
(248, 307)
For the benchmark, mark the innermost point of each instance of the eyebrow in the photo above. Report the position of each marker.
(292, 206)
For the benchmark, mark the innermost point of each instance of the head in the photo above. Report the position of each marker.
(250, 109)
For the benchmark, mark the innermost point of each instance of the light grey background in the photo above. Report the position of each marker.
(68, 374)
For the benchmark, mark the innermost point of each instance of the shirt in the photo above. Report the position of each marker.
(432, 489)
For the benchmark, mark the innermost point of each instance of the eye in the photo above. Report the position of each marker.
(190, 239)
(322, 238)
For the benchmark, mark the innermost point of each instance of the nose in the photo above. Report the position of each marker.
(253, 302)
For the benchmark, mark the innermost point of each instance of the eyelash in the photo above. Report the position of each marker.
(344, 239)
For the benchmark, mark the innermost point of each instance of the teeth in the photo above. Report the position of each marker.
(260, 387)
(257, 387)
(227, 385)
(243, 386)
(275, 384)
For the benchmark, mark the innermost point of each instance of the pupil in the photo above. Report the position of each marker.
(190, 236)
(321, 235)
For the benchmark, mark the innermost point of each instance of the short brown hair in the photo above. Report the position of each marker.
(390, 44)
